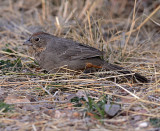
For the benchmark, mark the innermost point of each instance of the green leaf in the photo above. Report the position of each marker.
(5, 107)
(155, 122)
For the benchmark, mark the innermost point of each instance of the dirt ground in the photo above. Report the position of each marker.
(33, 99)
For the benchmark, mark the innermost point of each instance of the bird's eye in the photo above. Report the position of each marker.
(37, 39)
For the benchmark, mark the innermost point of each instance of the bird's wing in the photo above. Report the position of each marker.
(74, 50)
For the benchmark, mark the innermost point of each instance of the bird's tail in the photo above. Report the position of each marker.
(111, 67)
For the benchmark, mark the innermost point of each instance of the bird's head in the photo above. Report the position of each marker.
(38, 41)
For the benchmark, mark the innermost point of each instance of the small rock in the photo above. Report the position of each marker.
(143, 125)
(112, 109)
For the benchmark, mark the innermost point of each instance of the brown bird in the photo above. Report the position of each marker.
(52, 52)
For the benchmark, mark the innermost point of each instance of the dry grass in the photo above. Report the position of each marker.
(128, 31)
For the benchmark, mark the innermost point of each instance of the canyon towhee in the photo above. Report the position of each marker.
(52, 52)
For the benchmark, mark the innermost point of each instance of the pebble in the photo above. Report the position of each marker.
(143, 125)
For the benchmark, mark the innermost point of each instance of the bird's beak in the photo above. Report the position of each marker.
(28, 42)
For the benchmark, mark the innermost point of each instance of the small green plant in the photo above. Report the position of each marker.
(5, 107)
(96, 108)
(13, 65)
(155, 122)
(78, 102)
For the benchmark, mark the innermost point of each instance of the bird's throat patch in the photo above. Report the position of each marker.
(41, 49)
